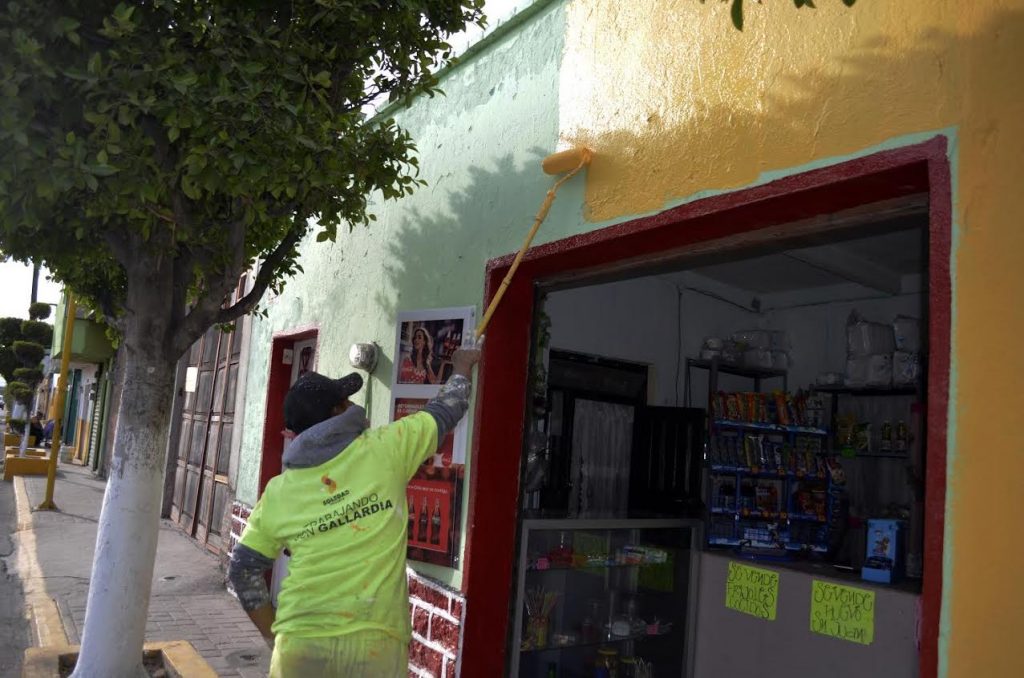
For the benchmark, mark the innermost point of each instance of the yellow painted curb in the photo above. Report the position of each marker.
(47, 627)
(180, 658)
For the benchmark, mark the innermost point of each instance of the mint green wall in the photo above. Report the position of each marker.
(480, 148)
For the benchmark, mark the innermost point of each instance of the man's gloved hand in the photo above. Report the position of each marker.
(464, 358)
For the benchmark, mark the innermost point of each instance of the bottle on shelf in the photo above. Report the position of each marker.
(421, 533)
(902, 438)
(411, 504)
(435, 523)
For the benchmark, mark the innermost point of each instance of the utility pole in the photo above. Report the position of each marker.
(35, 282)
(62, 388)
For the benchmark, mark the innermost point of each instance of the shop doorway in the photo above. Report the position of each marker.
(293, 354)
(872, 190)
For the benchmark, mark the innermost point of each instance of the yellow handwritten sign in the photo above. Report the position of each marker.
(752, 590)
(843, 612)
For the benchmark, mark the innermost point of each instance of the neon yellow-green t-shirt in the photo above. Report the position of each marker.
(345, 523)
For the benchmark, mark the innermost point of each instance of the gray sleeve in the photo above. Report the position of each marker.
(245, 572)
(450, 404)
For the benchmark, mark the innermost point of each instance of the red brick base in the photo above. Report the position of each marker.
(437, 615)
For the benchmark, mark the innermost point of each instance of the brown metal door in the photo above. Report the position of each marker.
(204, 446)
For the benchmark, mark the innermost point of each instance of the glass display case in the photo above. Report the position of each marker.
(600, 598)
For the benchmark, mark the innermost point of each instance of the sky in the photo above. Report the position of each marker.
(16, 289)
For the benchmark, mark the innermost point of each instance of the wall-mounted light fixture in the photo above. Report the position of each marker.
(363, 356)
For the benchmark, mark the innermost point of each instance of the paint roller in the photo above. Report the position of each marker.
(569, 163)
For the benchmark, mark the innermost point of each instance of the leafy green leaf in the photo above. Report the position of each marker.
(173, 134)
(737, 14)
(65, 24)
(101, 170)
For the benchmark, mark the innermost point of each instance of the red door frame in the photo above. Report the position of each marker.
(747, 215)
(277, 386)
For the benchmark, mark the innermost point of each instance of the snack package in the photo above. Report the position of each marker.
(789, 458)
(781, 412)
(750, 410)
(732, 407)
(762, 408)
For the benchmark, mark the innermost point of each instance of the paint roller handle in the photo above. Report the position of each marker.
(558, 162)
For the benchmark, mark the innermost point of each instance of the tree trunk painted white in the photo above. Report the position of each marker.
(24, 440)
(122, 573)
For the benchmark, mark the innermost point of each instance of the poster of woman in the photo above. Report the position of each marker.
(426, 350)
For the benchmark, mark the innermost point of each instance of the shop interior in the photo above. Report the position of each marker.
(761, 405)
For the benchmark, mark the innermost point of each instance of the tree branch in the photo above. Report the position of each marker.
(268, 271)
(207, 311)
(218, 286)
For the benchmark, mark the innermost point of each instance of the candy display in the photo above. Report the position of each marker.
(776, 408)
(768, 452)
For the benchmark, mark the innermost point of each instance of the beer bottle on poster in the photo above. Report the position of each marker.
(411, 504)
(435, 523)
(421, 534)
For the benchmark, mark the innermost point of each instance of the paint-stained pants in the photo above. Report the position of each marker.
(367, 653)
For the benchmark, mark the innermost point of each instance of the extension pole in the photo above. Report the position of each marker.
(62, 387)
(584, 156)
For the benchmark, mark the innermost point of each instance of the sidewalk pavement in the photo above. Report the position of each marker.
(53, 553)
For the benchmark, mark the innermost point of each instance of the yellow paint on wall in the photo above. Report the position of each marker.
(674, 102)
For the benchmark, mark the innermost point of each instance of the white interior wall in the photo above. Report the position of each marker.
(636, 320)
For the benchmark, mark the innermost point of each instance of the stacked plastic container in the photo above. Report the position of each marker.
(880, 355)
(765, 349)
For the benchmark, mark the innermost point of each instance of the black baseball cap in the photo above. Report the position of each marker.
(311, 399)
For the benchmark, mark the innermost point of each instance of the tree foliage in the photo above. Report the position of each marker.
(736, 9)
(39, 311)
(37, 331)
(153, 152)
(23, 344)
(10, 332)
